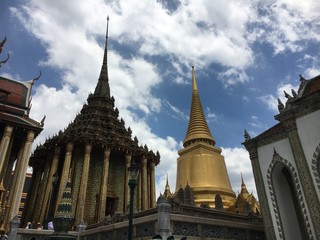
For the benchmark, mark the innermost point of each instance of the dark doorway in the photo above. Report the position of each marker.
(110, 206)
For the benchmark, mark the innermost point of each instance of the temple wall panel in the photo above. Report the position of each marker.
(93, 187)
(117, 179)
(308, 130)
(76, 178)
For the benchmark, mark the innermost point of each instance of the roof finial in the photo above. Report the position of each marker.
(102, 88)
(167, 182)
(242, 181)
(105, 57)
(107, 33)
(194, 82)
(36, 78)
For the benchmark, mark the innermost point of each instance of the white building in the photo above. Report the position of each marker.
(286, 166)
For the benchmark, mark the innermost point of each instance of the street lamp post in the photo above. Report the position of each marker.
(133, 172)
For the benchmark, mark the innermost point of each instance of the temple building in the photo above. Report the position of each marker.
(200, 164)
(96, 149)
(82, 173)
(17, 133)
(286, 166)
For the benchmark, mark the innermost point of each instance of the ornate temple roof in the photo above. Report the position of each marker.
(298, 104)
(15, 101)
(198, 129)
(98, 122)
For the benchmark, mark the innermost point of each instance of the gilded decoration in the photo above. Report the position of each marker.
(200, 164)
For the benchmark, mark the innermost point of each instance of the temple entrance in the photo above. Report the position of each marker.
(286, 198)
(110, 206)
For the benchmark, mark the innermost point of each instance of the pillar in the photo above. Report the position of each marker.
(83, 184)
(64, 174)
(304, 173)
(153, 186)
(144, 184)
(263, 199)
(19, 176)
(49, 187)
(32, 195)
(42, 189)
(4, 145)
(127, 190)
(139, 191)
(104, 186)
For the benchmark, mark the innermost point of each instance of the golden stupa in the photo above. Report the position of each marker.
(201, 165)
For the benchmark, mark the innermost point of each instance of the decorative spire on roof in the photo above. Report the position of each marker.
(1, 45)
(167, 192)
(102, 88)
(198, 127)
(244, 190)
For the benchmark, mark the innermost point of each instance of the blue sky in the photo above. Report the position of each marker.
(245, 53)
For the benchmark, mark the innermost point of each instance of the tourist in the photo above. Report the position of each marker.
(29, 225)
(39, 226)
(50, 225)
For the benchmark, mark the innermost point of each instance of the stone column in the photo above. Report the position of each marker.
(7, 172)
(304, 173)
(4, 145)
(148, 187)
(32, 195)
(127, 190)
(104, 186)
(83, 184)
(49, 187)
(19, 177)
(139, 191)
(153, 186)
(43, 189)
(261, 190)
(144, 184)
(65, 173)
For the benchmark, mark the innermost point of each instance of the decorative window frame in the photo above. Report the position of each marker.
(298, 191)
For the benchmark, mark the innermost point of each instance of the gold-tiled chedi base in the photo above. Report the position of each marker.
(201, 164)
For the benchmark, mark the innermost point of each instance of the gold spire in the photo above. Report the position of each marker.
(244, 191)
(200, 165)
(198, 127)
(167, 192)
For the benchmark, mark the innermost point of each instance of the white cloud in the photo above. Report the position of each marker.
(238, 161)
(272, 101)
(59, 106)
(232, 76)
(211, 117)
(310, 65)
(286, 24)
(255, 122)
(178, 114)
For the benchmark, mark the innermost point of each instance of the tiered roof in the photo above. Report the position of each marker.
(198, 129)
(98, 122)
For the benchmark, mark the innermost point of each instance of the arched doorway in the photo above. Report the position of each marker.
(287, 202)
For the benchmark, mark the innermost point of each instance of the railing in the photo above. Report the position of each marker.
(185, 220)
